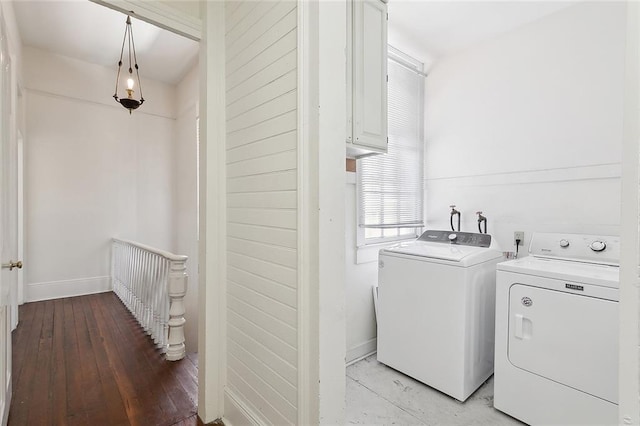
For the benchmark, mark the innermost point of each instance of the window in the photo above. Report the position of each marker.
(390, 186)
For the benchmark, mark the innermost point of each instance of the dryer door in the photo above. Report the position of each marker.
(568, 338)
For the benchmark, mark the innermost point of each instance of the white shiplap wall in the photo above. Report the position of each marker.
(261, 79)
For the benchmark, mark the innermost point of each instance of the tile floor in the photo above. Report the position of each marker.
(379, 395)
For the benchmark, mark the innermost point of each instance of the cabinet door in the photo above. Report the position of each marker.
(370, 74)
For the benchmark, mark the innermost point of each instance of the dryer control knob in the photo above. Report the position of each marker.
(564, 243)
(453, 237)
(598, 245)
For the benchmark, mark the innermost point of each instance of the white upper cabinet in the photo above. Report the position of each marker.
(366, 77)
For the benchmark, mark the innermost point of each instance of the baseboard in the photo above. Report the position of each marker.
(66, 288)
(236, 413)
(362, 350)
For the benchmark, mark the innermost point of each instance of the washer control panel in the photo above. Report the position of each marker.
(578, 247)
(461, 238)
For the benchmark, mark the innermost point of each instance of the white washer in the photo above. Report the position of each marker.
(557, 332)
(436, 301)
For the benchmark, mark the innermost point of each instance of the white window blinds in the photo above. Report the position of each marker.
(390, 186)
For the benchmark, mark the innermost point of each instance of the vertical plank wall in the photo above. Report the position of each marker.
(261, 121)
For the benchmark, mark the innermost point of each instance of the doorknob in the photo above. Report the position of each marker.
(12, 265)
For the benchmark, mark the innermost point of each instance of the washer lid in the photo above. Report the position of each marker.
(588, 273)
(458, 254)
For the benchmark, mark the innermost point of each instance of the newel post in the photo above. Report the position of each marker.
(177, 290)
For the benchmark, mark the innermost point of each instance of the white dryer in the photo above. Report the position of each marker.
(436, 302)
(557, 332)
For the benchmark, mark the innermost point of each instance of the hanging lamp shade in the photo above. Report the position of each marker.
(129, 102)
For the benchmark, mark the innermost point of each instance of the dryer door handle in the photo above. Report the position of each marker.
(523, 327)
(519, 326)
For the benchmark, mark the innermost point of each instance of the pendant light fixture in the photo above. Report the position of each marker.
(129, 102)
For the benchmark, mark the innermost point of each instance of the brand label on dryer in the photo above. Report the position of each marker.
(574, 287)
(526, 301)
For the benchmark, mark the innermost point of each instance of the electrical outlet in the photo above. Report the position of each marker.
(518, 235)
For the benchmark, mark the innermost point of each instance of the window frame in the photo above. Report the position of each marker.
(412, 64)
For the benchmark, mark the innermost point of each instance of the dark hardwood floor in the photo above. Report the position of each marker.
(86, 361)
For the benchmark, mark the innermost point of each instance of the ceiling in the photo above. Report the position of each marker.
(84, 30)
(424, 29)
(429, 30)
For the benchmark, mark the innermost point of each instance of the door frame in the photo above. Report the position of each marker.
(20, 155)
(18, 141)
(8, 311)
(209, 32)
(628, 373)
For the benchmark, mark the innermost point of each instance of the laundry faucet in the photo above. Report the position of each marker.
(481, 219)
(454, 212)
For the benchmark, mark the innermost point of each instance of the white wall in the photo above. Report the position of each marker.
(359, 280)
(93, 172)
(185, 218)
(528, 127)
(262, 229)
(326, 97)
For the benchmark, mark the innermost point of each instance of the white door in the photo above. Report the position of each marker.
(568, 338)
(8, 223)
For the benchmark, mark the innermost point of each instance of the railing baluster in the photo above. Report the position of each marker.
(161, 318)
(156, 313)
(161, 296)
(130, 280)
(152, 284)
(137, 283)
(134, 281)
(146, 268)
(177, 289)
(149, 296)
(126, 274)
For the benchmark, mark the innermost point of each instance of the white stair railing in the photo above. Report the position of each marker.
(152, 284)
